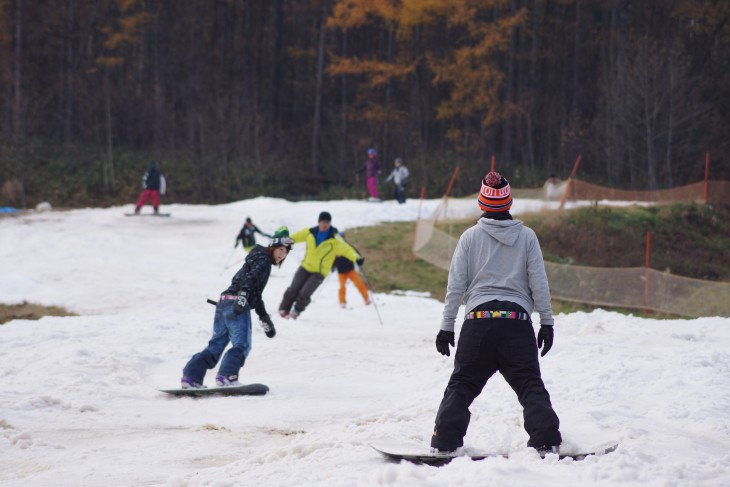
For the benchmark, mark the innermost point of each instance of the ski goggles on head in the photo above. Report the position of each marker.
(281, 241)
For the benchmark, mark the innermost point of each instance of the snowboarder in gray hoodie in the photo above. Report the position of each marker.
(498, 272)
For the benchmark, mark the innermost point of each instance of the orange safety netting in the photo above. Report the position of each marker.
(709, 191)
(615, 287)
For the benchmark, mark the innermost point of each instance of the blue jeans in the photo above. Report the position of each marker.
(228, 326)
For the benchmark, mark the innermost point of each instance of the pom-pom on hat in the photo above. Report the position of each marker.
(495, 195)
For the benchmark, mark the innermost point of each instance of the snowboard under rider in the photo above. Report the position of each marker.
(498, 271)
(232, 321)
(246, 235)
(323, 244)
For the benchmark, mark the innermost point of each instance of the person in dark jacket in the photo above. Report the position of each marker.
(346, 270)
(154, 185)
(497, 270)
(233, 316)
(372, 171)
(246, 235)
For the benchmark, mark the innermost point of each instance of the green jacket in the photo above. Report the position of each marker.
(319, 258)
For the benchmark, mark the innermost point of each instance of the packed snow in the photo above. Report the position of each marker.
(79, 403)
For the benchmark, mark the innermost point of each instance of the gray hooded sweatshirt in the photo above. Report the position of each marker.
(497, 259)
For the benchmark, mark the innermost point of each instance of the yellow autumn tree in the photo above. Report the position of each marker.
(122, 30)
(467, 68)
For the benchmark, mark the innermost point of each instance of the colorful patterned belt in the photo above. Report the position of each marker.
(227, 297)
(514, 315)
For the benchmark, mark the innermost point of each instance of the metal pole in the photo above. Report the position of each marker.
(367, 283)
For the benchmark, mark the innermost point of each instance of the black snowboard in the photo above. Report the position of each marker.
(147, 214)
(243, 390)
(422, 455)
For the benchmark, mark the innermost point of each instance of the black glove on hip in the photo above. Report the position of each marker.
(268, 326)
(360, 261)
(545, 336)
(239, 305)
(443, 339)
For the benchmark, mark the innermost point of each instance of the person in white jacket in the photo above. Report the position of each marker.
(498, 272)
(399, 176)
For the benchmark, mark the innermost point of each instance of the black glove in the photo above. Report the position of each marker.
(443, 339)
(545, 335)
(239, 305)
(236, 244)
(360, 261)
(268, 326)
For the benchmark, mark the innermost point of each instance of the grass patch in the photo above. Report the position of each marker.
(29, 311)
(387, 252)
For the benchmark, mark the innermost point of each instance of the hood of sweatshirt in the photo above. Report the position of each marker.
(504, 231)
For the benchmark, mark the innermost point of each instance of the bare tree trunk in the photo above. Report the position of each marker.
(670, 122)
(108, 168)
(318, 98)
(17, 99)
(343, 112)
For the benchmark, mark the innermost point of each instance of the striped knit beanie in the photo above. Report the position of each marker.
(495, 195)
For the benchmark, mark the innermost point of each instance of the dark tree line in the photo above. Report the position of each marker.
(284, 97)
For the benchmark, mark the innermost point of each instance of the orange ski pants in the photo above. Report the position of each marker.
(355, 278)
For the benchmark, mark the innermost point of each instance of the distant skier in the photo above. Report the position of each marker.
(372, 171)
(233, 316)
(399, 176)
(154, 185)
(497, 270)
(323, 244)
(246, 235)
(346, 270)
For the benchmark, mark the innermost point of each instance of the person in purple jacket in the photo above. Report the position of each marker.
(372, 171)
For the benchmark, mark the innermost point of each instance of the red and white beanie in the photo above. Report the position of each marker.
(495, 195)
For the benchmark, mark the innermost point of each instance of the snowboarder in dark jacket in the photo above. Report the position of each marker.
(154, 185)
(233, 316)
(498, 272)
(246, 235)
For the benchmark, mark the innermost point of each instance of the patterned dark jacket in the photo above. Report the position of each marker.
(252, 278)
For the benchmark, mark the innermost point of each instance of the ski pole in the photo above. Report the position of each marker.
(237, 262)
(370, 288)
(226, 262)
(210, 301)
(319, 288)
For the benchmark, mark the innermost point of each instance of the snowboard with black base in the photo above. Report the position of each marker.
(420, 455)
(242, 390)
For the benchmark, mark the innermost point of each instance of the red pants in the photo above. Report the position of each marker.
(355, 278)
(372, 183)
(152, 194)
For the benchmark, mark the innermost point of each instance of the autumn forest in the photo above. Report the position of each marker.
(237, 98)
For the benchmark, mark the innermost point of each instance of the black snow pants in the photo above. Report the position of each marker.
(485, 347)
(299, 293)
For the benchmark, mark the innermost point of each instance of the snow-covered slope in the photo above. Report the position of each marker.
(79, 405)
